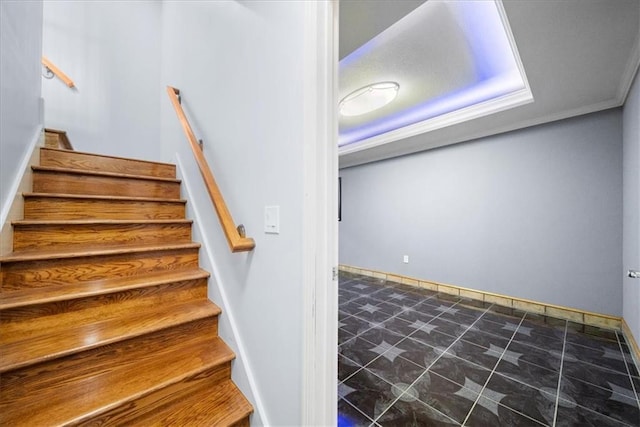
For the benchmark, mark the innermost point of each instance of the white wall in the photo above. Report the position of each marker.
(535, 213)
(631, 194)
(20, 79)
(239, 68)
(111, 50)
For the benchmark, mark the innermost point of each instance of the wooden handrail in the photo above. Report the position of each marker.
(237, 242)
(55, 70)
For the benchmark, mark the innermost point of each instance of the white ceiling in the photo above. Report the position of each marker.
(579, 56)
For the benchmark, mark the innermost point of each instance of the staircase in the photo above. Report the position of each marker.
(104, 315)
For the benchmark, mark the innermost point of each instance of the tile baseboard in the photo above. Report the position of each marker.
(628, 335)
(568, 313)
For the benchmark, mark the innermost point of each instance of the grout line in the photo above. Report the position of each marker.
(626, 365)
(377, 324)
(403, 337)
(360, 367)
(434, 297)
(564, 346)
(437, 358)
(357, 409)
(494, 370)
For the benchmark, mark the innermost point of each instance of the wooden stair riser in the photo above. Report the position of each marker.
(58, 342)
(140, 412)
(40, 207)
(52, 272)
(48, 236)
(36, 378)
(45, 181)
(104, 315)
(93, 162)
(52, 140)
(45, 295)
(23, 322)
(120, 373)
(56, 141)
(227, 407)
(245, 422)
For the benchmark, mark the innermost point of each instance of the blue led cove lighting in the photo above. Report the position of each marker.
(496, 71)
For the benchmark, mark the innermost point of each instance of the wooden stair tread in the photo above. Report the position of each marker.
(101, 173)
(78, 388)
(61, 206)
(90, 251)
(100, 221)
(101, 155)
(47, 294)
(43, 345)
(223, 405)
(49, 235)
(51, 130)
(86, 161)
(102, 197)
(104, 315)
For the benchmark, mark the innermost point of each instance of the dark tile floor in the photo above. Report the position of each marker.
(412, 357)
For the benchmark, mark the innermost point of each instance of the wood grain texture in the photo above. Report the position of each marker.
(37, 348)
(236, 242)
(30, 270)
(30, 235)
(81, 387)
(31, 379)
(28, 296)
(40, 206)
(20, 322)
(57, 139)
(220, 405)
(71, 181)
(88, 161)
(104, 313)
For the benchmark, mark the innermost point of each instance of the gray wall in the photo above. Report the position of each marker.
(252, 125)
(112, 51)
(20, 79)
(631, 222)
(534, 213)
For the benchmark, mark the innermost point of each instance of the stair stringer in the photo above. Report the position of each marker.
(242, 373)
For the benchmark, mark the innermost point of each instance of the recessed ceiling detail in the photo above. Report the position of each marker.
(454, 61)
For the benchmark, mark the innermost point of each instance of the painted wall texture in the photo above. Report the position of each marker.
(20, 79)
(534, 213)
(251, 121)
(229, 60)
(111, 50)
(631, 222)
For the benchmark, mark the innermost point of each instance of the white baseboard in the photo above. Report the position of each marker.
(13, 203)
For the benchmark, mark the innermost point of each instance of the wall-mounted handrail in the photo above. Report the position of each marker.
(235, 235)
(58, 72)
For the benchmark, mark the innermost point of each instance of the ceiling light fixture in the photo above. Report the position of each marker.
(368, 98)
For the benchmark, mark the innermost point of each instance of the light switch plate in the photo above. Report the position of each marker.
(272, 219)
